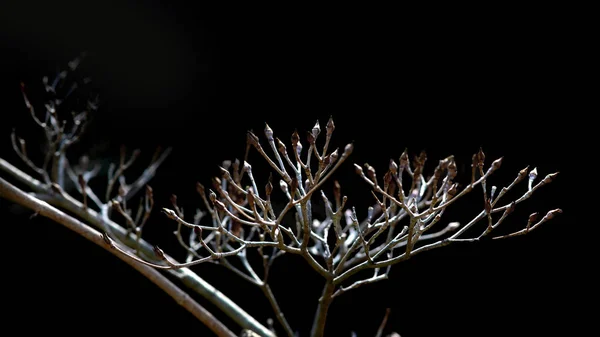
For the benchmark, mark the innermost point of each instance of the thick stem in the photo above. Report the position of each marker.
(11, 193)
(318, 328)
(187, 277)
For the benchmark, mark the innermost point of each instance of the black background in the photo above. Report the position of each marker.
(197, 77)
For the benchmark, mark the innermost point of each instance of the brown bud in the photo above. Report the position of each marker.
(497, 163)
(422, 157)
(294, 186)
(212, 197)
(281, 146)
(552, 213)
(173, 200)
(269, 186)
(480, 157)
(251, 139)
(268, 132)
(452, 170)
(330, 126)
(295, 138)
(216, 183)
(549, 178)
(387, 178)
(532, 218)
(393, 166)
(149, 191)
(371, 172)
(250, 197)
(404, 160)
(334, 156)
(225, 173)
(198, 231)
(522, 174)
(310, 138)
(452, 191)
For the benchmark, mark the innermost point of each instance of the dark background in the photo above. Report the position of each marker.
(198, 77)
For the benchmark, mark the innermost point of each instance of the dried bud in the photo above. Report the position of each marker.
(216, 182)
(173, 200)
(348, 149)
(198, 231)
(269, 186)
(327, 159)
(358, 169)
(294, 186)
(497, 163)
(225, 173)
(334, 156)
(480, 157)
(310, 138)
(393, 167)
(281, 146)
(532, 218)
(522, 174)
(422, 158)
(251, 139)
(552, 213)
(371, 172)
(268, 132)
(452, 170)
(212, 197)
(283, 185)
(387, 178)
(404, 160)
(200, 188)
(316, 130)
(149, 191)
(250, 197)
(226, 164)
(437, 173)
(159, 252)
(330, 127)
(549, 178)
(452, 191)
(295, 139)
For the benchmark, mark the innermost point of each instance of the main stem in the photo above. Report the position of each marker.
(318, 328)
